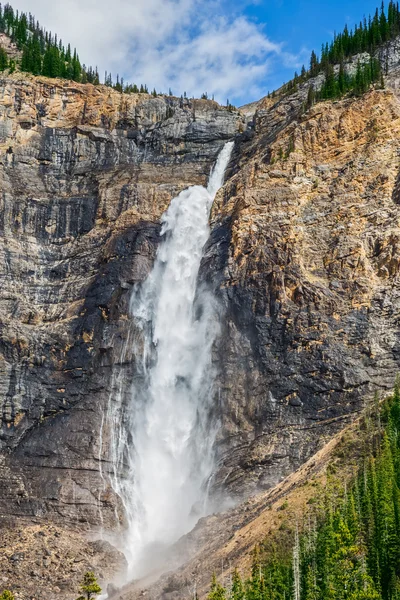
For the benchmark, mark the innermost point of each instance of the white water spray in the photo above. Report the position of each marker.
(167, 437)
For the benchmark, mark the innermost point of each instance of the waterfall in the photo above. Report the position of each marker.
(165, 438)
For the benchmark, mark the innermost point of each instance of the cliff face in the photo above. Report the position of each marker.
(85, 175)
(304, 256)
(305, 249)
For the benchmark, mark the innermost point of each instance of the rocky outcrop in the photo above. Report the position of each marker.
(39, 560)
(305, 252)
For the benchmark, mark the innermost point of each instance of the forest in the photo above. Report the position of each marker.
(44, 54)
(366, 37)
(349, 547)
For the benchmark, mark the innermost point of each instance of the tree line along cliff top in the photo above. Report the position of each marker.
(43, 53)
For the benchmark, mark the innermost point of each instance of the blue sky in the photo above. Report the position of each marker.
(232, 49)
(303, 25)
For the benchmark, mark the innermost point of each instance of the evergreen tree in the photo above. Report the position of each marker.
(342, 84)
(3, 59)
(76, 67)
(310, 96)
(89, 587)
(217, 592)
(311, 591)
(51, 62)
(237, 592)
(21, 30)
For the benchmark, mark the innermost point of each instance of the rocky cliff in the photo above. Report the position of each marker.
(303, 255)
(85, 175)
(305, 250)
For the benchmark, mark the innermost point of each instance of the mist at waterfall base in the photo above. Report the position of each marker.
(165, 437)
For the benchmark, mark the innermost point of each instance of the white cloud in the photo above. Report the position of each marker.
(188, 45)
(225, 58)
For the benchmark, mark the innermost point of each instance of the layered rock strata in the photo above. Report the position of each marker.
(85, 175)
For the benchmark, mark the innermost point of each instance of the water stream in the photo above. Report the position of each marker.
(165, 437)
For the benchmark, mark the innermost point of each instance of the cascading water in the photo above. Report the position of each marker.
(165, 438)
